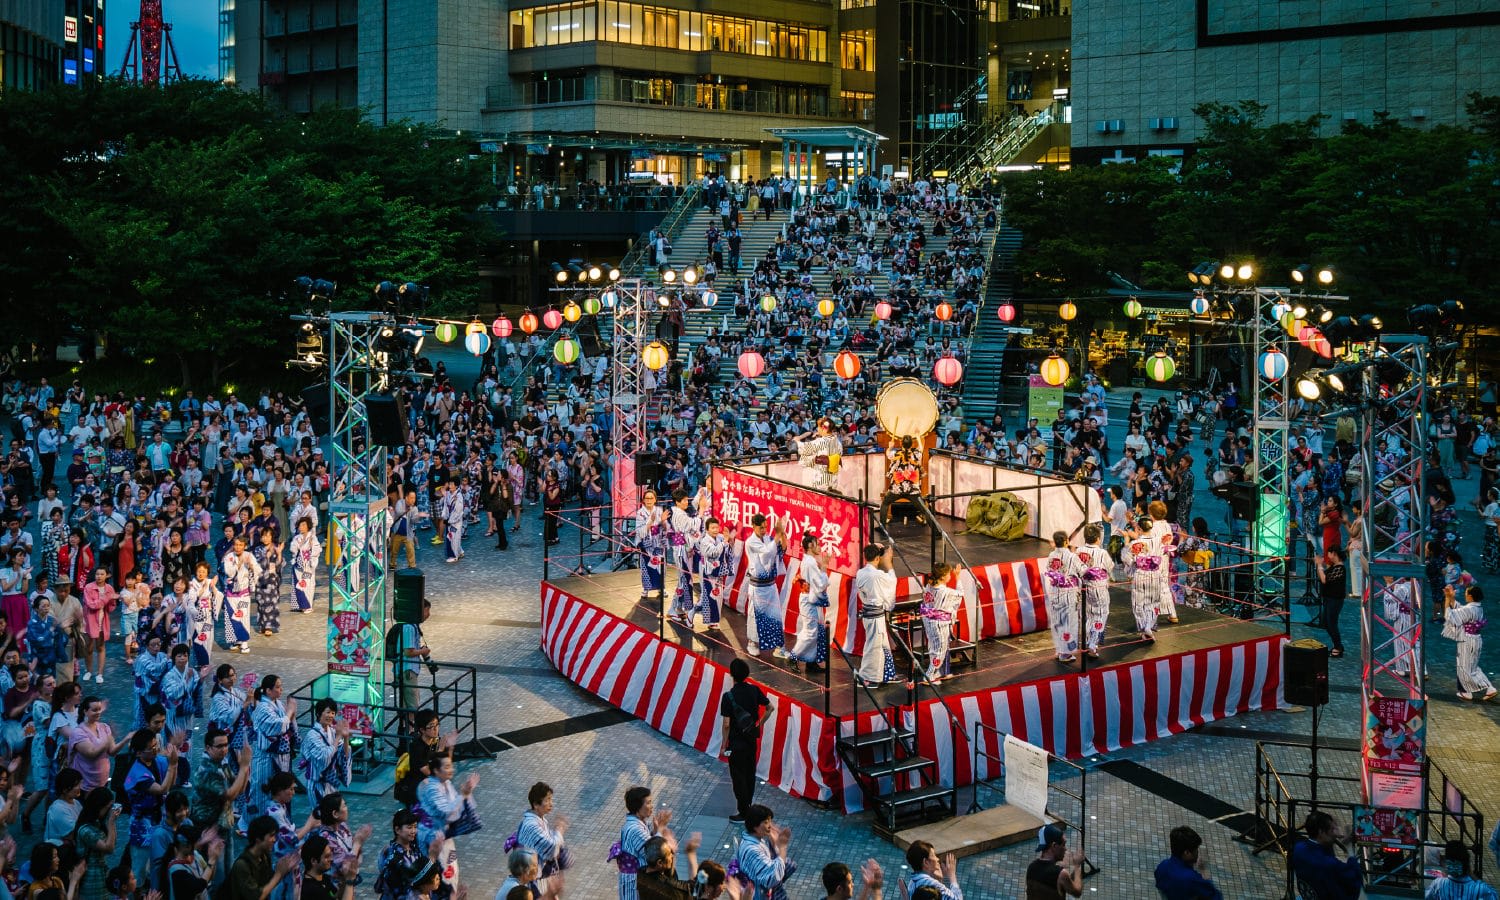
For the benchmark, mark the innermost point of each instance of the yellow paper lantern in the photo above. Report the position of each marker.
(826, 307)
(572, 311)
(655, 356)
(1068, 311)
(1055, 370)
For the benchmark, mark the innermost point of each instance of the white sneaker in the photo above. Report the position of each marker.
(99, 678)
(244, 648)
(86, 676)
(780, 653)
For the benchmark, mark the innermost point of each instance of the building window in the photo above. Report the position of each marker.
(857, 105)
(658, 26)
(857, 51)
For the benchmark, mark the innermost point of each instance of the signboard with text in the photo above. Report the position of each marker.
(1043, 400)
(1395, 736)
(1386, 827)
(740, 496)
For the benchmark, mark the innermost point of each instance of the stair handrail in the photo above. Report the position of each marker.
(669, 224)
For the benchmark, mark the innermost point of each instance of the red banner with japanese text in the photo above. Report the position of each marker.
(836, 522)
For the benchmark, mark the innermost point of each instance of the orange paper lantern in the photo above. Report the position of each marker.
(528, 323)
(846, 365)
(944, 312)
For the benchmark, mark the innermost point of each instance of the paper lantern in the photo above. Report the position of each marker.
(944, 312)
(528, 323)
(592, 306)
(846, 365)
(882, 310)
(655, 355)
(1055, 370)
(565, 350)
(826, 307)
(1007, 312)
(1160, 367)
(1132, 308)
(710, 299)
(477, 342)
(948, 371)
(768, 303)
(1279, 310)
(552, 319)
(1199, 305)
(1288, 322)
(609, 299)
(1068, 311)
(1317, 343)
(446, 332)
(501, 327)
(752, 364)
(1305, 335)
(1273, 365)
(572, 311)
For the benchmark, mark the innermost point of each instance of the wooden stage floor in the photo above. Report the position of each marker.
(1002, 661)
(915, 547)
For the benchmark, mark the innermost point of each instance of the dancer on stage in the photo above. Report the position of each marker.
(686, 532)
(454, 514)
(1159, 529)
(1401, 613)
(1062, 583)
(1464, 624)
(651, 539)
(1097, 565)
(939, 609)
(716, 561)
(875, 595)
(812, 606)
(1148, 579)
(764, 551)
(820, 452)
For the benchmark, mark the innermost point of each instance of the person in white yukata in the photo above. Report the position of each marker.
(241, 572)
(642, 822)
(764, 551)
(1148, 575)
(716, 560)
(812, 605)
(820, 452)
(543, 838)
(940, 603)
(1401, 613)
(1097, 564)
(451, 508)
(651, 538)
(1160, 530)
(875, 595)
(179, 691)
(1464, 624)
(686, 531)
(1062, 582)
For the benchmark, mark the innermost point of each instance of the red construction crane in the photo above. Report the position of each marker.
(143, 55)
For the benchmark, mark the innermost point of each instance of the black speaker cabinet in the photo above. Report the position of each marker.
(411, 587)
(315, 401)
(386, 414)
(648, 468)
(1304, 672)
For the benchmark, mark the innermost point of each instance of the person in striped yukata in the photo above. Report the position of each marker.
(1063, 585)
(763, 855)
(928, 871)
(1456, 882)
(642, 822)
(1097, 566)
(1464, 624)
(1144, 557)
(451, 508)
(685, 533)
(535, 833)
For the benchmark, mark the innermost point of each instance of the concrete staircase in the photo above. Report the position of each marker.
(983, 382)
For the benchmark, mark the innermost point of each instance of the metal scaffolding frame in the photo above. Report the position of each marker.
(630, 332)
(1269, 532)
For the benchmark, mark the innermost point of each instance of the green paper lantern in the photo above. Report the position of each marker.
(592, 306)
(1132, 308)
(565, 351)
(1160, 367)
(768, 303)
(446, 332)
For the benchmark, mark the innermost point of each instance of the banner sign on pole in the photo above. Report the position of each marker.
(1043, 400)
(1026, 776)
(1386, 827)
(1394, 741)
(740, 496)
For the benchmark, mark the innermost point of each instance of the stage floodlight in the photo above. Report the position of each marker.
(1325, 275)
(1308, 388)
(1226, 271)
(1245, 272)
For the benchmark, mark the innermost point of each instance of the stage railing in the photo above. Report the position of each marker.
(1284, 796)
(1079, 821)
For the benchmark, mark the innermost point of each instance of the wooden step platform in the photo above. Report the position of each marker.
(968, 835)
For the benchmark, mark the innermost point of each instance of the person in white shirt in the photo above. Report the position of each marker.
(875, 595)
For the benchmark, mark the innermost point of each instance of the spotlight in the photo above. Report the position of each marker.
(1451, 310)
(1341, 329)
(1202, 274)
(1226, 271)
(1334, 381)
(1299, 312)
(1302, 274)
(1372, 323)
(1245, 272)
(664, 299)
(690, 275)
(1308, 388)
(1323, 314)
(387, 292)
(561, 275)
(669, 276)
(413, 294)
(1325, 275)
(594, 273)
(1424, 316)
(614, 274)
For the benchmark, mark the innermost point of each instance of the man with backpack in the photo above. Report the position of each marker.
(743, 708)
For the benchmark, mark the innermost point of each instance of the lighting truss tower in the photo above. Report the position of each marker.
(1268, 536)
(150, 57)
(1393, 456)
(633, 302)
(360, 520)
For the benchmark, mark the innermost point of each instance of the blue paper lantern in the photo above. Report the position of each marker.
(1273, 365)
(1199, 306)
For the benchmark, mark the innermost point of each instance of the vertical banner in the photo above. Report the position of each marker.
(1394, 751)
(739, 496)
(357, 588)
(1043, 400)
(1026, 776)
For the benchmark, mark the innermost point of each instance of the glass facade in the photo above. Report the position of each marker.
(659, 26)
(857, 51)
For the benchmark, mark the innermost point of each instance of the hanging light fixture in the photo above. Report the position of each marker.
(1199, 305)
(1068, 311)
(446, 332)
(572, 311)
(654, 355)
(1160, 367)
(1132, 308)
(565, 350)
(475, 339)
(826, 307)
(883, 310)
(948, 371)
(1309, 389)
(752, 364)
(944, 311)
(1279, 309)
(1055, 371)
(847, 365)
(501, 327)
(1007, 312)
(1273, 365)
(768, 303)
(609, 298)
(552, 319)
(527, 322)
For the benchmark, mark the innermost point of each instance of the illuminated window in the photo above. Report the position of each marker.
(657, 26)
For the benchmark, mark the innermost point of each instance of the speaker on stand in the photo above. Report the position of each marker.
(1304, 672)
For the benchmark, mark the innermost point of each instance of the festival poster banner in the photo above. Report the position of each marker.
(738, 497)
(1394, 738)
(1386, 827)
(1043, 400)
(351, 639)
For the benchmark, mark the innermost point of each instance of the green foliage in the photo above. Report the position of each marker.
(1406, 215)
(173, 221)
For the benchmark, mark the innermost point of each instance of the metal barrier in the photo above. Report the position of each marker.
(1079, 820)
(1280, 808)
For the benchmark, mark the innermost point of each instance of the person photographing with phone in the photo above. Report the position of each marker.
(743, 708)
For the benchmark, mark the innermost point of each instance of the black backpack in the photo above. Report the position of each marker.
(742, 721)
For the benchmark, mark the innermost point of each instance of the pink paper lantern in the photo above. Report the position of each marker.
(752, 364)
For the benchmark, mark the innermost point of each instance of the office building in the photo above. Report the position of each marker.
(43, 42)
(1141, 66)
(300, 54)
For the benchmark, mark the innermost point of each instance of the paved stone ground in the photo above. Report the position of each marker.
(485, 613)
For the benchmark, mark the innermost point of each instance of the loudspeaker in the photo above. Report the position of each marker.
(315, 401)
(1304, 670)
(648, 468)
(386, 414)
(411, 587)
